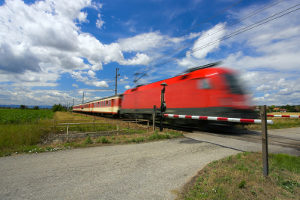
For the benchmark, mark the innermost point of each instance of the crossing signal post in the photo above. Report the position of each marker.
(163, 105)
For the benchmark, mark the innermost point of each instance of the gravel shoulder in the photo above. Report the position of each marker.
(154, 170)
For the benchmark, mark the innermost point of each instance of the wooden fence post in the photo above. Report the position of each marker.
(264, 129)
(67, 132)
(153, 117)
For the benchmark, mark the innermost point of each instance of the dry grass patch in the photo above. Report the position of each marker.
(31, 137)
(279, 122)
(240, 177)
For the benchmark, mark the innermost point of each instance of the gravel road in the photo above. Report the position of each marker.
(154, 170)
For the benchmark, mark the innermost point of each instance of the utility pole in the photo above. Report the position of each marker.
(116, 85)
(82, 97)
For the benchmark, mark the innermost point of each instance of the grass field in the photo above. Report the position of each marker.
(17, 116)
(25, 133)
(240, 177)
(22, 128)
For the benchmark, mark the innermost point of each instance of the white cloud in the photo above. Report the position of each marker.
(82, 17)
(41, 41)
(207, 42)
(142, 42)
(139, 59)
(99, 22)
(91, 73)
(269, 56)
(75, 85)
(127, 87)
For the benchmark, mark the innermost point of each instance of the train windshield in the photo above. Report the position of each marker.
(234, 84)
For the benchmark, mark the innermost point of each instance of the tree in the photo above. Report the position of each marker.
(36, 108)
(58, 107)
(23, 107)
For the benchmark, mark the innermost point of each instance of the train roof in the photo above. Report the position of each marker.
(197, 72)
(110, 97)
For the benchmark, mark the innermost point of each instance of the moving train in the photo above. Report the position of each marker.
(204, 91)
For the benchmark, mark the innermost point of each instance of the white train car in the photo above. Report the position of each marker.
(108, 105)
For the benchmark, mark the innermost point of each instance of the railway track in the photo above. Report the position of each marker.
(240, 134)
(226, 132)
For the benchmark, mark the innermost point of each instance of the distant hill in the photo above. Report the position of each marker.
(18, 106)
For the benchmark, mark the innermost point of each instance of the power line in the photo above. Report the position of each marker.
(142, 74)
(252, 26)
(242, 30)
(193, 27)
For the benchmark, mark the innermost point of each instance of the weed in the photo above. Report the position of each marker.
(88, 140)
(242, 184)
(229, 158)
(284, 161)
(289, 185)
(241, 167)
(140, 139)
(103, 140)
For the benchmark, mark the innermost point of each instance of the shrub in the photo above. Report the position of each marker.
(88, 140)
(103, 140)
(58, 107)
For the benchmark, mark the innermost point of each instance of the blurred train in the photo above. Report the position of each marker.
(204, 91)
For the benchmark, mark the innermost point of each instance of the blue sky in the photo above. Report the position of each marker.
(53, 50)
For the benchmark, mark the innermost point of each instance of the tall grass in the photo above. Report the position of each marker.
(14, 137)
(17, 116)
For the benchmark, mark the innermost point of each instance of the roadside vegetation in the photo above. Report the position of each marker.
(29, 130)
(279, 122)
(21, 116)
(240, 177)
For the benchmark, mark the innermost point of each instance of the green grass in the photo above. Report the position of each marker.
(26, 135)
(240, 177)
(278, 123)
(14, 137)
(283, 161)
(17, 116)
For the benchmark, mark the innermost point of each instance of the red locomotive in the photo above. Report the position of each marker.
(204, 91)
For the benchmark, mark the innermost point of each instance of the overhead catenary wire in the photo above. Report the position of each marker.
(171, 58)
(252, 26)
(241, 20)
(142, 74)
(239, 31)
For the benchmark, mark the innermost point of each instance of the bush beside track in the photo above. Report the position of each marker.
(240, 177)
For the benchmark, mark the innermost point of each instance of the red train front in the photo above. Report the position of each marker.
(209, 91)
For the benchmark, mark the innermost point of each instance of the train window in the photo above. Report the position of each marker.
(204, 84)
(184, 77)
(233, 84)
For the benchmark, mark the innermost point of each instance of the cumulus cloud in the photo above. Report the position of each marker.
(268, 57)
(75, 85)
(99, 22)
(207, 42)
(44, 38)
